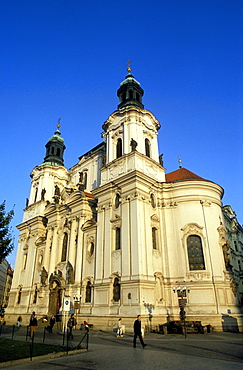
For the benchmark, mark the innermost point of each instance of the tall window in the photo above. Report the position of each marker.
(64, 247)
(118, 238)
(36, 192)
(119, 148)
(88, 292)
(147, 147)
(195, 253)
(85, 180)
(154, 238)
(116, 290)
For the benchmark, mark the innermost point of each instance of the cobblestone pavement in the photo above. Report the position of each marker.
(208, 351)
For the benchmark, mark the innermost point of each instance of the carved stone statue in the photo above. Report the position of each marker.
(43, 192)
(133, 144)
(57, 194)
(57, 190)
(226, 252)
(81, 177)
(161, 160)
(70, 273)
(44, 276)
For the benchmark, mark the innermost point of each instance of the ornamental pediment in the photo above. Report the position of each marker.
(88, 224)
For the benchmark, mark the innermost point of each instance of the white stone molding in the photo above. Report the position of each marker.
(205, 203)
(200, 276)
(154, 221)
(192, 229)
(116, 254)
(116, 222)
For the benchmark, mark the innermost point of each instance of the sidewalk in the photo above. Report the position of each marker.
(211, 351)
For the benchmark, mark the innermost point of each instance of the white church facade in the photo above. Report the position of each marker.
(123, 235)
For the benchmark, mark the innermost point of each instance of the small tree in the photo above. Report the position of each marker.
(6, 237)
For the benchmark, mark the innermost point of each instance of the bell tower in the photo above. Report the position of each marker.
(131, 135)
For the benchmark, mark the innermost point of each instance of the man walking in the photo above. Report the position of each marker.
(138, 332)
(71, 323)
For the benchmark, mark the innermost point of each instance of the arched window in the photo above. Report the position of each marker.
(147, 148)
(119, 148)
(58, 152)
(154, 238)
(130, 94)
(118, 238)
(64, 247)
(123, 97)
(52, 150)
(116, 290)
(88, 292)
(195, 253)
(85, 180)
(36, 192)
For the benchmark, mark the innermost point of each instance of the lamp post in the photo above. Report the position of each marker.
(182, 301)
(77, 303)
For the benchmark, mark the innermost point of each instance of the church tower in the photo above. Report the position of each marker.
(127, 201)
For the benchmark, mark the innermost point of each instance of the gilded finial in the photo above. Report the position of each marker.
(179, 161)
(59, 125)
(129, 69)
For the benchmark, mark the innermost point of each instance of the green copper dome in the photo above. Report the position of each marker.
(130, 92)
(55, 149)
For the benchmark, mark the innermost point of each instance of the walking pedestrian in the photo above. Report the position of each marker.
(138, 332)
(33, 325)
(119, 329)
(71, 323)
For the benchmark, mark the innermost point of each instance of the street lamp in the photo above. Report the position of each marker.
(77, 303)
(182, 301)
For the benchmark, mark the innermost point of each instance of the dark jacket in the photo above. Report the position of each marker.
(137, 327)
(33, 321)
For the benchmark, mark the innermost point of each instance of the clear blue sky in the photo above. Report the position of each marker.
(66, 58)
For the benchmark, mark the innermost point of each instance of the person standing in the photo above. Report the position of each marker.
(119, 330)
(33, 325)
(71, 323)
(52, 323)
(138, 332)
(19, 320)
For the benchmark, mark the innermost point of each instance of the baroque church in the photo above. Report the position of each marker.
(123, 236)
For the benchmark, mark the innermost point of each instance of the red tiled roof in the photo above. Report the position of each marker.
(88, 195)
(181, 174)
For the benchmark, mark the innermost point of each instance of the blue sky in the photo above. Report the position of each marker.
(66, 58)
